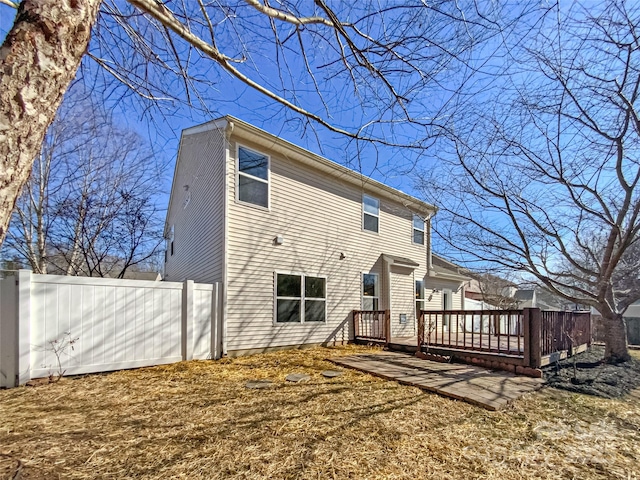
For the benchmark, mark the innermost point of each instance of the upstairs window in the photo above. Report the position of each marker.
(300, 298)
(418, 230)
(253, 177)
(371, 213)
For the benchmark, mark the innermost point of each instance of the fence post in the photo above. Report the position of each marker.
(23, 375)
(9, 332)
(187, 320)
(535, 329)
(215, 336)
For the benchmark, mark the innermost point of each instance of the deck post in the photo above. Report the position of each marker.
(526, 333)
(387, 327)
(532, 340)
(420, 329)
(356, 321)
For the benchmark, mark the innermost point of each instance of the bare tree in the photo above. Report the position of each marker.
(385, 57)
(543, 176)
(89, 205)
(495, 290)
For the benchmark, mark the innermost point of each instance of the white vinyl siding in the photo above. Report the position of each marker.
(434, 290)
(198, 225)
(332, 243)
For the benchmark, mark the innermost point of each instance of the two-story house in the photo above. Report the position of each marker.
(297, 241)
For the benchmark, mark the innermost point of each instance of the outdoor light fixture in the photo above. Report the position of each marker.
(279, 240)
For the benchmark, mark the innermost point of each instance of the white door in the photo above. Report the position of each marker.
(403, 304)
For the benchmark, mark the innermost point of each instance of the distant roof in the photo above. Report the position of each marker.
(485, 276)
(152, 276)
(444, 268)
(524, 294)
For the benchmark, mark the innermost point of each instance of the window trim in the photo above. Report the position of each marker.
(377, 232)
(252, 177)
(421, 295)
(170, 241)
(447, 294)
(302, 298)
(414, 229)
(362, 295)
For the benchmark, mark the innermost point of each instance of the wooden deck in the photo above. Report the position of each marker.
(492, 390)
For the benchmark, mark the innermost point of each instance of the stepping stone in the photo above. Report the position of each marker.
(297, 377)
(257, 384)
(331, 373)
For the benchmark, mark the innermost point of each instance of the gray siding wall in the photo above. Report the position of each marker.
(320, 217)
(199, 227)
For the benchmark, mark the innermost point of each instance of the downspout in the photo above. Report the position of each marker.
(429, 260)
(386, 278)
(225, 256)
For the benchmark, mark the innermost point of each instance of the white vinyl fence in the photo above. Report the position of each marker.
(99, 324)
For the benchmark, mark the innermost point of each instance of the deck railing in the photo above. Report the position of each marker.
(372, 325)
(497, 331)
(564, 331)
(528, 337)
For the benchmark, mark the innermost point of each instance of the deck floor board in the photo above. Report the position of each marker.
(492, 390)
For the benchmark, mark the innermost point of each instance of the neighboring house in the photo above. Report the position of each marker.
(297, 241)
(148, 276)
(490, 289)
(543, 299)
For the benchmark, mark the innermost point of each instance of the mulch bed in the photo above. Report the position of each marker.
(593, 376)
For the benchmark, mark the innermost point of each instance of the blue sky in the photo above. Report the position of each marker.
(428, 92)
(230, 96)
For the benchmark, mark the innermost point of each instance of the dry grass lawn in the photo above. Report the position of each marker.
(196, 420)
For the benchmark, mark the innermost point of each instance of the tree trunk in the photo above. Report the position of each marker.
(615, 339)
(38, 60)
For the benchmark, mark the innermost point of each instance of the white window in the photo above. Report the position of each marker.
(170, 241)
(418, 229)
(447, 303)
(253, 177)
(419, 295)
(370, 213)
(370, 291)
(300, 298)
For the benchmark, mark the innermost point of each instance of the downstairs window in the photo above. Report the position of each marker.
(300, 298)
